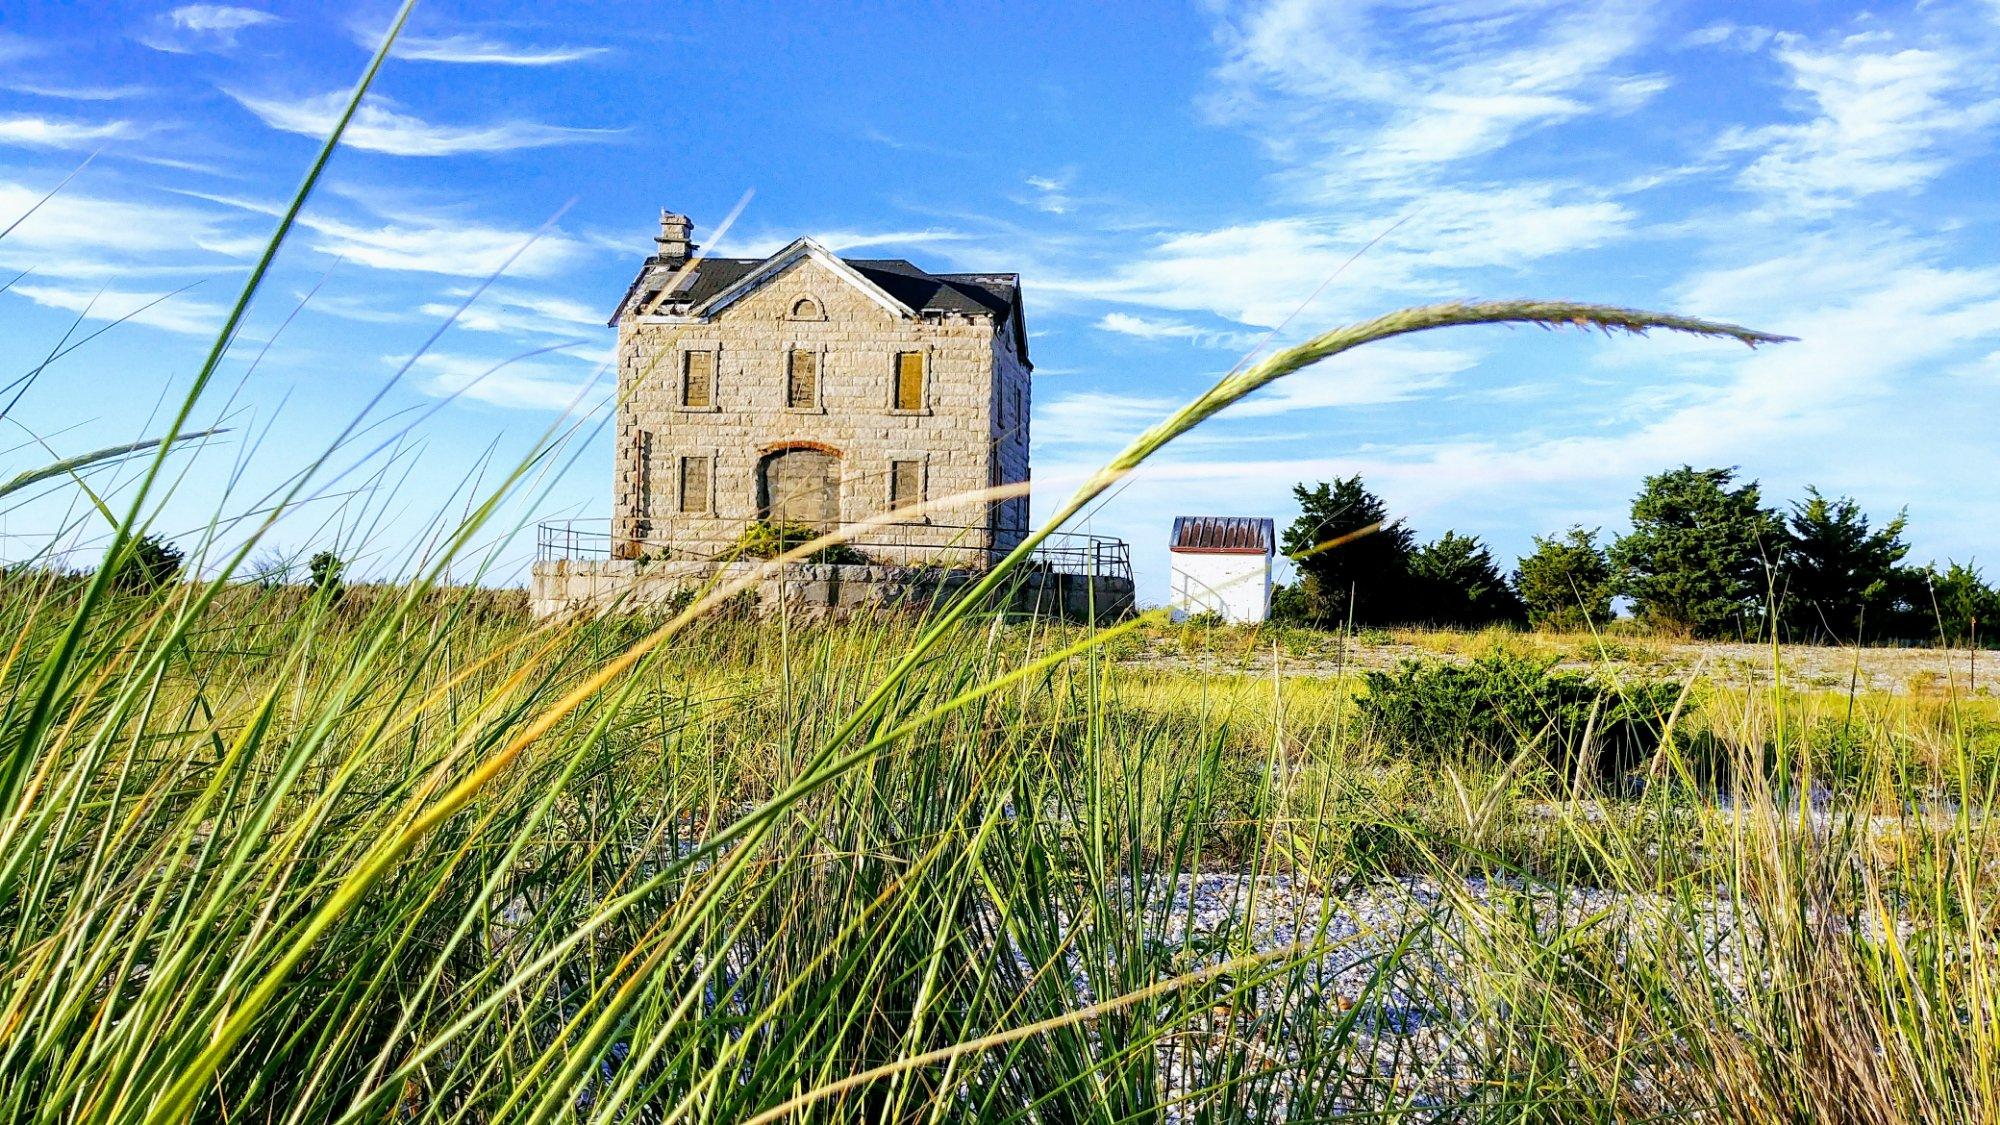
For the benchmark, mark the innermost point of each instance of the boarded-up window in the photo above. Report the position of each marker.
(698, 380)
(910, 381)
(694, 484)
(906, 484)
(802, 380)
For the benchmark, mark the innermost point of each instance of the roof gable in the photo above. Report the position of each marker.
(700, 287)
(804, 249)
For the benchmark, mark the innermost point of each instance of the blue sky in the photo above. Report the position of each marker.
(1176, 184)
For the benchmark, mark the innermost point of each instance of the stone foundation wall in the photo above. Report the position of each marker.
(633, 586)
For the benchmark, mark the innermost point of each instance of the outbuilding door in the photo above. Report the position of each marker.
(800, 486)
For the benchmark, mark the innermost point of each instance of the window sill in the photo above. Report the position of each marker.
(698, 409)
(898, 413)
(805, 409)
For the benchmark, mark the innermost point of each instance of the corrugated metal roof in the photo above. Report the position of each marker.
(1224, 535)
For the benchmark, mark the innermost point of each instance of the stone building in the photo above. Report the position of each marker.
(805, 388)
(811, 389)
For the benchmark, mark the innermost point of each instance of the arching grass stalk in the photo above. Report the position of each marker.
(1236, 386)
(832, 760)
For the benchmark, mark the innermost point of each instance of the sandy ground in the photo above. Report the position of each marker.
(1898, 671)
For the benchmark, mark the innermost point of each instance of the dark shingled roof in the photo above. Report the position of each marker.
(997, 295)
(1224, 535)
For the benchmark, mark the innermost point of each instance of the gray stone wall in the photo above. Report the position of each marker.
(635, 586)
(971, 432)
(1013, 401)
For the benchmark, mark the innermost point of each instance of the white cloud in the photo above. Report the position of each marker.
(1261, 273)
(80, 93)
(419, 242)
(1727, 33)
(71, 234)
(1052, 192)
(378, 127)
(840, 241)
(520, 384)
(177, 313)
(523, 314)
(204, 27)
(219, 19)
(46, 132)
(1389, 93)
(1097, 419)
(1149, 328)
(1384, 373)
(423, 244)
(1884, 119)
(14, 48)
(476, 49)
(1875, 327)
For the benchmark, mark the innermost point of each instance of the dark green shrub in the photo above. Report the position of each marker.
(1496, 705)
(767, 539)
(147, 563)
(327, 572)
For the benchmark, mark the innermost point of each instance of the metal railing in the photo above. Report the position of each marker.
(926, 544)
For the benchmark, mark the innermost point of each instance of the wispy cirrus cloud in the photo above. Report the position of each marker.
(1052, 193)
(1876, 316)
(516, 383)
(14, 48)
(1386, 94)
(409, 240)
(516, 313)
(839, 241)
(380, 127)
(30, 131)
(203, 27)
(479, 49)
(1262, 272)
(1884, 117)
(1154, 328)
(163, 309)
(72, 93)
(72, 233)
(428, 244)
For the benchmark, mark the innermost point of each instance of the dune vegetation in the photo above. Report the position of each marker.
(305, 853)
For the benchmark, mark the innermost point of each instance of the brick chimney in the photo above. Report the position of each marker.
(676, 232)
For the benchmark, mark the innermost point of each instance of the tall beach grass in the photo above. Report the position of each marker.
(272, 856)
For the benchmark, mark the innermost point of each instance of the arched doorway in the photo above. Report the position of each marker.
(800, 484)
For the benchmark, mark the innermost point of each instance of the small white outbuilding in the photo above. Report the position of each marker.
(1222, 565)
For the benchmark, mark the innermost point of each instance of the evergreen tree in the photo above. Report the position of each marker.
(1695, 560)
(1453, 581)
(1953, 605)
(1343, 566)
(1838, 575)
(1565, 582)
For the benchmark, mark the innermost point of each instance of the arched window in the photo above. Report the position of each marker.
(805, 308)
(800, 484)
